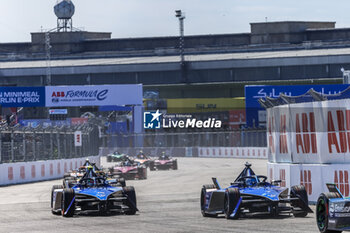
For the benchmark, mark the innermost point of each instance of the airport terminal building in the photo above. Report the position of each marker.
(217, 66)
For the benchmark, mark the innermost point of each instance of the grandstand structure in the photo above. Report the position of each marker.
(217, 66)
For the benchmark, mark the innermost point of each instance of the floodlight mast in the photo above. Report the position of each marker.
(181, 16)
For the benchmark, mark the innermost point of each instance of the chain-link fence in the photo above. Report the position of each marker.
(239, 138)
(30, 144)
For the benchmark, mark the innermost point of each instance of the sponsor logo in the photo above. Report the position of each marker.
(84, 95)
(342, 131)
(305, 133)
(305, 179)
(341, 179)
(101, 194)
(283, 177)
(283, 135)
(157, 120)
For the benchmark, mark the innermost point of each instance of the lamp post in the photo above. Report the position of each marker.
(48, 58)
(181, 16)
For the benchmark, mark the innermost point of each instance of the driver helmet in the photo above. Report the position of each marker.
(90, 182)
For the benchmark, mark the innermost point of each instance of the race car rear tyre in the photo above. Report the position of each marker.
(175, 165)
(300, 192)
(203, 200)
(67, 174)
(232, 196)
(322, 208)
(109, 159)
(151, 166)
(68, 204)
(52, 190)
(129, 191)
(144, 176)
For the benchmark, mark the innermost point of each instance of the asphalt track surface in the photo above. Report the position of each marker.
(168, 202)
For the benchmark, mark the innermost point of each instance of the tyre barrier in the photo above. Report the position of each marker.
(25, 172)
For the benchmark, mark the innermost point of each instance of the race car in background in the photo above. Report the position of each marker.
(251, 193)
(143, 159)
(333, 211)
(92, 194)
(129, 170)
(116, 157)
(72, 178)
(164, 162)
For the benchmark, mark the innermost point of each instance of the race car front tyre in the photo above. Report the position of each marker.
(129, 191)
(203, 199)
(298, 206)
(52, 191)
(175, 165)
(68, 205)
(322, 208)
(232, 196)
(122, 182)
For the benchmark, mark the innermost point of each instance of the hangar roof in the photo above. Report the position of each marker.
(174, 59)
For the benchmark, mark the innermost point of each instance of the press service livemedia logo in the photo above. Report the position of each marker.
(157, 120)
(152, 120)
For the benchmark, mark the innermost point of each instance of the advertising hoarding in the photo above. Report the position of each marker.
(256, 113)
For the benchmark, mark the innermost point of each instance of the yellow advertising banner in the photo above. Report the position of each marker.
(192, 105)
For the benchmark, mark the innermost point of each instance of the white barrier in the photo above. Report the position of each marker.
(233, 152)
(314, 132)
(313, 176)
(24, 172)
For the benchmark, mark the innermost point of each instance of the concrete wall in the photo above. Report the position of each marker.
(25, 172)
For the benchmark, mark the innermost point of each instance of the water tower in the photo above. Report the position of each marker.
(64, 10)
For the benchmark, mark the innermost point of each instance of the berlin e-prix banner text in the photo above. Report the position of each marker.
(65, 96)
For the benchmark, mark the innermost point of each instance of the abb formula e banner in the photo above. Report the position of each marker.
(66, 96)
(98, 95)
(309, 133)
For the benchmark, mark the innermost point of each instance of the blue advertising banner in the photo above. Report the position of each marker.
(22, 96)
(256, 115)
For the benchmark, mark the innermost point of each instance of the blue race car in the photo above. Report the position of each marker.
(251, 193)
(93, 193)
(333, 211)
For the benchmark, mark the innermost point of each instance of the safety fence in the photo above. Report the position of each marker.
(30, 144)
(205, 152)
(238, 138)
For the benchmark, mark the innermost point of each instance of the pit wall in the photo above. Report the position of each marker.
(25, 172)
(207, 152)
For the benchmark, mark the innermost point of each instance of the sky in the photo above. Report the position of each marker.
(148, 18)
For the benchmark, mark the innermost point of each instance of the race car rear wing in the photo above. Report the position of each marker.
(216, 183)
(334, 189)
